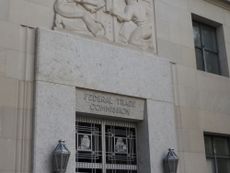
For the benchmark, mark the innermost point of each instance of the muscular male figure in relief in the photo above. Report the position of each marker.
(136, 12)
(72, 9)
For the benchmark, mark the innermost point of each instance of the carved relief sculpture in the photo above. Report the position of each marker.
(127, 22)
(85, 143)
(136, 12)
(120, 146)
(67, 11)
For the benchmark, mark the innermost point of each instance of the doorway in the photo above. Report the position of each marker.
(104, 146)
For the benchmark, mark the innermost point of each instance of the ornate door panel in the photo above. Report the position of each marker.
(105, 146)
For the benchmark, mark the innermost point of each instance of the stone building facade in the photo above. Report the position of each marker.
(138, 66)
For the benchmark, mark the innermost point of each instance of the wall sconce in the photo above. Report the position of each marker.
(60, 157)
(171, 162)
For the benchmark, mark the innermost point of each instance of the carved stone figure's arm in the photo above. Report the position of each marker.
(67, 10)
(77, 1)
(126, 16)
(100, 6)
(96, 6)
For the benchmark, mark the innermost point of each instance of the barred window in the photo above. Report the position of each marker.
(217, 149)
(105, 146)
(207, 54)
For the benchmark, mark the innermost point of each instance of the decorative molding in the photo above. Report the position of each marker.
(126, 22)
(23, 162)
(221, 3)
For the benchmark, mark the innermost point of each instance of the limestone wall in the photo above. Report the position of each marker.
(202, 99)
(17, 20)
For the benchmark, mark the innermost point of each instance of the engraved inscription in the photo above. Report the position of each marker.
(109, 104)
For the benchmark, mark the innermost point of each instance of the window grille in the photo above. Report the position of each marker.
(217, 149)
(207, 55)
(105, 146)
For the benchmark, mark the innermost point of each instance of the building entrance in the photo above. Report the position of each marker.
(104, 146)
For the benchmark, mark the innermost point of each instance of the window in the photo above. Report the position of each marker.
(105, 146)
(217, 149)
(207, 55)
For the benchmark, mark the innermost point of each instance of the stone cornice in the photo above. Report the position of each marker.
(222, 3)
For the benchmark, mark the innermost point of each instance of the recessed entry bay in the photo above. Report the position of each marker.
(108, 104)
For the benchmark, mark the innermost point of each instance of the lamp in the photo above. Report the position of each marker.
(60, 157)
(171, 162)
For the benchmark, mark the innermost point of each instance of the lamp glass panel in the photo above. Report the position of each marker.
(172, 165)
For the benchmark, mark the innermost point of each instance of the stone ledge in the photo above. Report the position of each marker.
(221, 3)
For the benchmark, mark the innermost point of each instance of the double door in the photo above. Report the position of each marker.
(105, 146)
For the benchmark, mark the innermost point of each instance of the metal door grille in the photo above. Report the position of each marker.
(105, 146)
